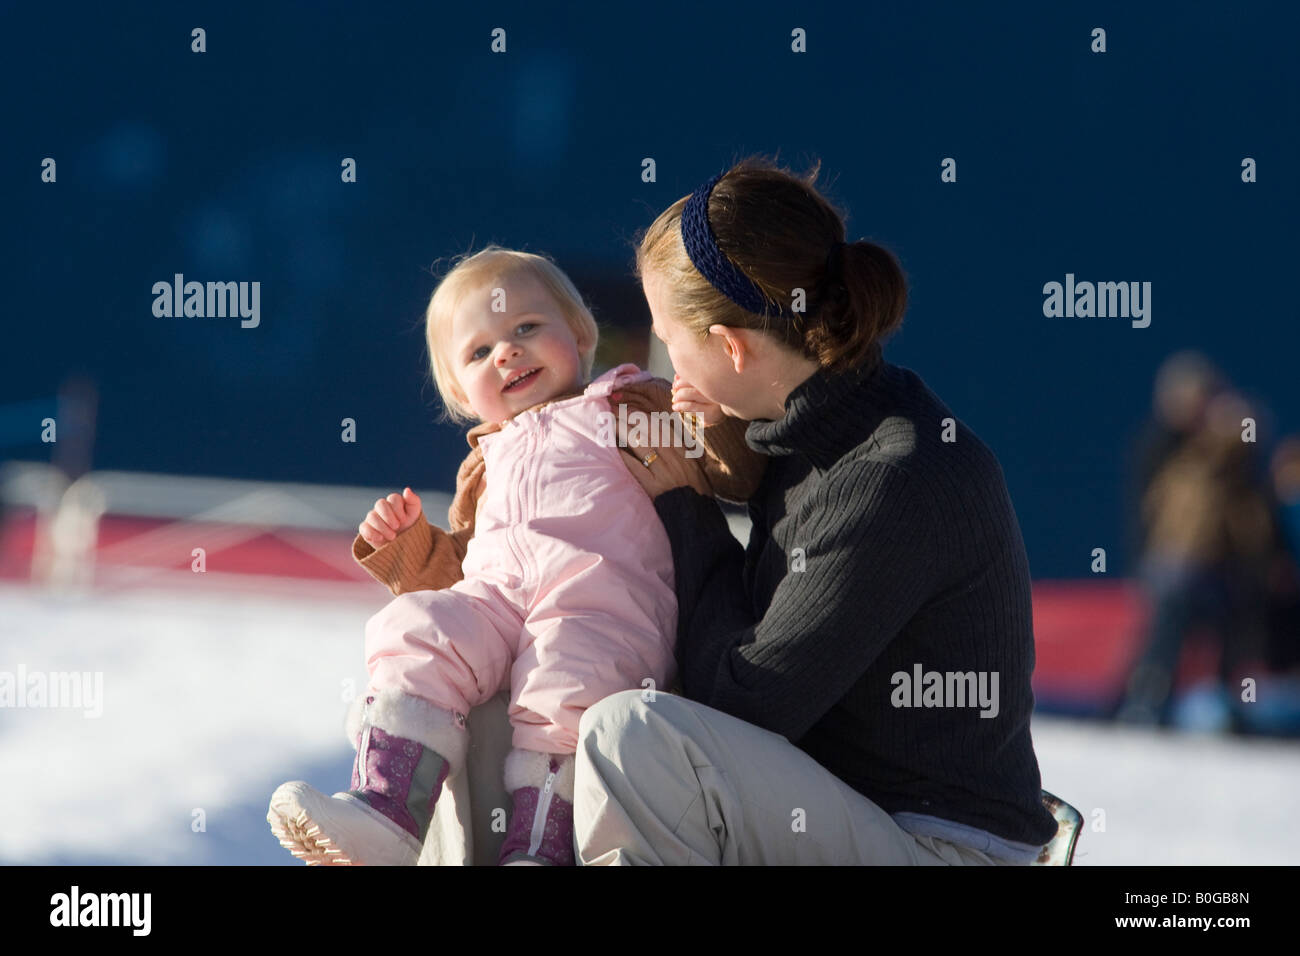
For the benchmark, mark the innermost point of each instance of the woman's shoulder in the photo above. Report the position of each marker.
(917, 433)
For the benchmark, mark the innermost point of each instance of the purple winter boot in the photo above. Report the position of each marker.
(396, 779)
(540, 831)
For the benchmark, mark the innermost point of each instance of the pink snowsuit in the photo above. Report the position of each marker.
(568, 591)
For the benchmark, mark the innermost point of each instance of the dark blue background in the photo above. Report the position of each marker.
(1123, 166)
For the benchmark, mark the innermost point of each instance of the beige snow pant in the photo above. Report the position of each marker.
(467, 829)
(673, 782)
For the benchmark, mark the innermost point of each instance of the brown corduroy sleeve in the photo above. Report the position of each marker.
(732, 468)
(421, 558)
(424, 557)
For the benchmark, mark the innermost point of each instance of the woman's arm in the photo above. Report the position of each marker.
(869, 563)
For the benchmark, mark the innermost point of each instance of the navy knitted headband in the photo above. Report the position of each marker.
(723, 274)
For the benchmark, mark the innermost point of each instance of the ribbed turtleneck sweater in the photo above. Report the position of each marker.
(878, 548)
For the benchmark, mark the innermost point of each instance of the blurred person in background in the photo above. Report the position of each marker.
(1282, 651)
(1210, 543)
(1185, 384)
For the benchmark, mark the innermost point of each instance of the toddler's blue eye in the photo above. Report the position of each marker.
(527, 325)
(480, 352)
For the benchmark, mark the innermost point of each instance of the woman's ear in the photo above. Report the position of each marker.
(734, 344)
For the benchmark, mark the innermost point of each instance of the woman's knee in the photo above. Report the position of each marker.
(615, 709)
(628, 710)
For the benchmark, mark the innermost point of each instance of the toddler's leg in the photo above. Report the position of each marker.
(452, 647)
(541, 819)
(406, 747)
(432, 655)
(569, 658)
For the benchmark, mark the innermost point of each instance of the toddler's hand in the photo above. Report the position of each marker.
(687, 399)
(390, 517)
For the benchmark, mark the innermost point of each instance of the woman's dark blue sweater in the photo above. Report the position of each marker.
(911, 557)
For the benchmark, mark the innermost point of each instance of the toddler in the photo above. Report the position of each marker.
(554, 580)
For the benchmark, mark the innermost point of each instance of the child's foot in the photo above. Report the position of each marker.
(396, 779)
(337, 831)
(540, 831)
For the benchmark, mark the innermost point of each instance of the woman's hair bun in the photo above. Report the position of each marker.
(864, 302)
(784, 235)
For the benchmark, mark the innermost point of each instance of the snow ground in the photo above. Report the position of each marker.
(215, 692)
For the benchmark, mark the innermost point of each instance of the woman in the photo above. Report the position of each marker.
(856, 682)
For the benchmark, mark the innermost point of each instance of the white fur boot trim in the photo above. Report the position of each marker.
(404, 715)
(528, 768)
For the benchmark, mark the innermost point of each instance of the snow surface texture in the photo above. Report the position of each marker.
(216, 692)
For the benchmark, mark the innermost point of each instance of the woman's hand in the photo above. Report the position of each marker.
(688, 400)
(390, 517)
(668, 469)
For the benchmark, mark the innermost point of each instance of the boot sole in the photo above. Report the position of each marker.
(336, 831)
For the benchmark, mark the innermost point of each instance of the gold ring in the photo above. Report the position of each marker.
(649, 459)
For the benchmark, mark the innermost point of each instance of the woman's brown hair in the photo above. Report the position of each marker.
(778, 229)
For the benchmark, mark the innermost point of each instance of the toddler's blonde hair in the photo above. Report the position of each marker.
(495, 262)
